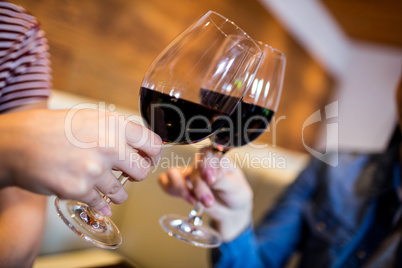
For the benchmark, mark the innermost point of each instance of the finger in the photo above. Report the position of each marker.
(227, 182)
(210, 164)
(173, 182)
(201, 189)
(98, 181)
(111, 187)
(217, 174)
(143, 140)
(132, 164)
(96, 201)
(86, 194)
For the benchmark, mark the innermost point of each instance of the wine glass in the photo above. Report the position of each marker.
(193, 86)
(257, 108)
(212, 56)
(249, 120)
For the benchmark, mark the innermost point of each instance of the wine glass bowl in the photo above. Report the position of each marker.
(258, 106)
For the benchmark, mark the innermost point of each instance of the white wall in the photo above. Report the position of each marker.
(366, 74)
(366, 94)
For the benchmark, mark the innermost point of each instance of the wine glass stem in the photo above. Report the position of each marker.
(196, 214)
(123, 179)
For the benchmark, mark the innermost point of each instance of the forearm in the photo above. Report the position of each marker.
(22, 221)
(9, 148)
(22, 213)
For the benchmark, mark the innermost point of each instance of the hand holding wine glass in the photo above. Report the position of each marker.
(56, 152)
(226, 197)
(132, 150)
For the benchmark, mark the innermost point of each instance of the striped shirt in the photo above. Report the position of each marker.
(25, 74)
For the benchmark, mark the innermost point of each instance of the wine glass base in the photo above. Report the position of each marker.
(93, 228)
(185, 230)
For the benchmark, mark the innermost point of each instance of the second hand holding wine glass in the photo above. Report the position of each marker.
(250, 119)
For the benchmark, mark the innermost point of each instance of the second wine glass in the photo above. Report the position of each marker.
(193, 86)
(249, 120)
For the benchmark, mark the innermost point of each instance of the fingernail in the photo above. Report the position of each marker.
(189, 185)
(107, 211)
(207, 200)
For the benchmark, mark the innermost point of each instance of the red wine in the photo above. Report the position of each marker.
(246, 124)
(179, 121)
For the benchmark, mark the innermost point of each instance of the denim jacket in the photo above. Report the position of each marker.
(334, 216)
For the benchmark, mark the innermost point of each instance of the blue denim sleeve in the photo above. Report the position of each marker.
(278, 235)
(239, 253)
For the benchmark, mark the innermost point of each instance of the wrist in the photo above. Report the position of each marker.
(232, 227)
(10, 148)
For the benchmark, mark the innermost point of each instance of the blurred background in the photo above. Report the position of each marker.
(337, 50)
(342, 53)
